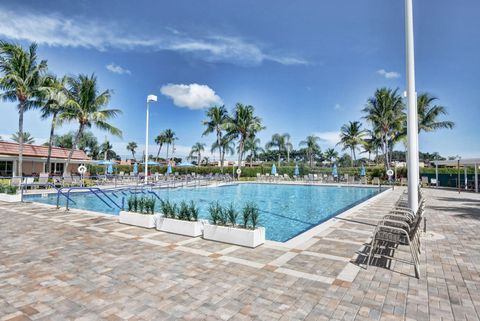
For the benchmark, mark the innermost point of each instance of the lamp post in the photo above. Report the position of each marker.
(412, 113)
(150, 98)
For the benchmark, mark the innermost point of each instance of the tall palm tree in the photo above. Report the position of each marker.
(385, 111)
(312, 147)
(217, 116)
(160, 140)
(288, 146)
(86, 106)
(330, 154)
(242, 125)
(227, 146)
(170, 138)
(105, 148)
(351, 136)
(25, 137)
(132, 146)
(252, 145)
(54, 103)
(21, 78)
(428, 114)
(197, 150)
(279, 142)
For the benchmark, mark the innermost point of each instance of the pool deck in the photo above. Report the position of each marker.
(57, 265)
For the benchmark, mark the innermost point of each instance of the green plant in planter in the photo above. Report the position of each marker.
(130, 204)
(193, 211)
(254, 215)
(231, 214)
(246, 215)
(149, 205)
(184, 211)
(215, 211)
(141, 204)
(2, 188)
(168, 209)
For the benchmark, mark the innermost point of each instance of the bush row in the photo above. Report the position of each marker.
(374, 171)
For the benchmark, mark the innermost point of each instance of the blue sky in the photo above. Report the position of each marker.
(307, 67)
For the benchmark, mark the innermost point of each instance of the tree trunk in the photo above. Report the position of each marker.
(251, 160)
(219, 142)
(21, 109)
(133, 154)
(74, 146)
(168, 145)
(279, 152)
(159, 149)
(288, 156)
(354, 157)
(50, 143)
(240, 155)
(199, 159)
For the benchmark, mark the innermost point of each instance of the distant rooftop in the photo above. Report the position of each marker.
(9, 148)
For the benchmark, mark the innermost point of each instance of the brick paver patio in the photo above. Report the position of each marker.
(56, 265)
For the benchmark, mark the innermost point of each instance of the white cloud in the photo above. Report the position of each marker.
(193, 96)
(116, 69)
(328, 139)
(338, 107)
(56, 30)
(388, 74)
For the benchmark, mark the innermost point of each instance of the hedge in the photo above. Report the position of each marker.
(374, 171)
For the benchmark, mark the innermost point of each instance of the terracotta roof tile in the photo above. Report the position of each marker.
(8, 148)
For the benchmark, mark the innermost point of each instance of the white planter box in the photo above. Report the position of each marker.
(10, 198)
(188, 228)
(136, 219)
(233, 235)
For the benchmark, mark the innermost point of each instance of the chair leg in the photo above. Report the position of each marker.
(416, 262)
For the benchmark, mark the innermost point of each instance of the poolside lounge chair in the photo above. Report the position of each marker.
(376, 181)
(424, 181)
(43, 178)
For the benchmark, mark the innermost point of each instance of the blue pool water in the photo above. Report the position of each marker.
(285, 210)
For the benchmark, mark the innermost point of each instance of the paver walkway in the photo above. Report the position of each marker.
(66, 266)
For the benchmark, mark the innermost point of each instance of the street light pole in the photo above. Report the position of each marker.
(412, 113)
(149, 99)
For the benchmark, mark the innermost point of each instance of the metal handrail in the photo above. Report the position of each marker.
(59, 192)
(93, 190)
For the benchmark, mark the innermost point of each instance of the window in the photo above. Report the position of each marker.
(57, 168)
(6, 168)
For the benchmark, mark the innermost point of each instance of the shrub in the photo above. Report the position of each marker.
(215, 211)
(254, 215)
(142, 205)
(168, 209)
(231, 214)
(193, 211)
(184, 211)
(246, 215)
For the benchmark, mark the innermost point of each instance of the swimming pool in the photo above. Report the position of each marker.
(286, 210)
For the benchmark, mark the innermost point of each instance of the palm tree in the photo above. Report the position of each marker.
(86, 106)
(242, 125)
(197, 150)
(160, 140)
(55, 98)
(385, 111)
(280, 142)
(105, 148)
(227, 146)
(312, 147)
(428, 114)
(132, 146)
(170, 138)
(217, 117)
(330, 154)
(25, 137)
(288, 146)
(21, 79)
(351, 135)
(252, 145)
